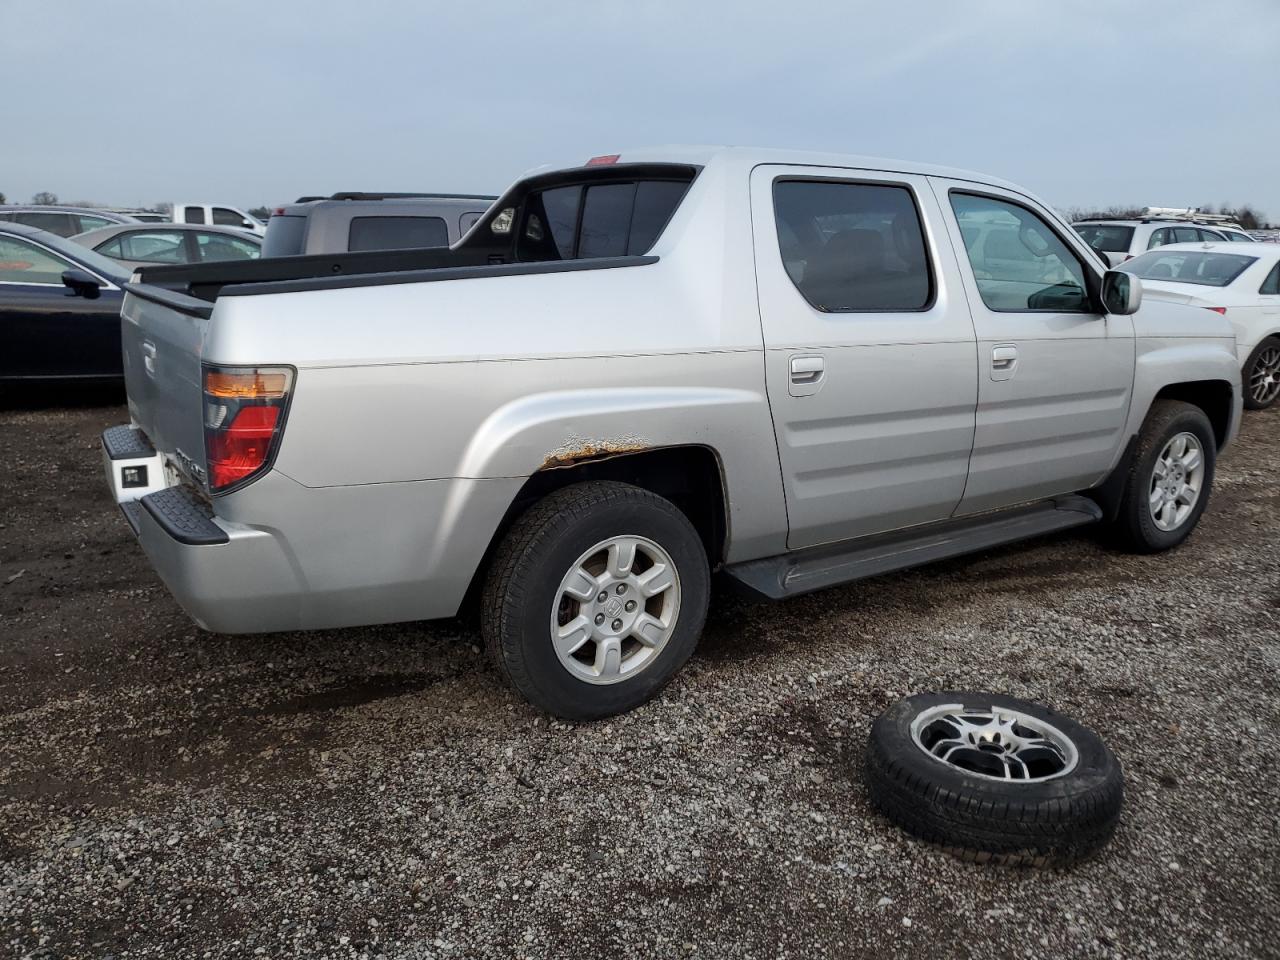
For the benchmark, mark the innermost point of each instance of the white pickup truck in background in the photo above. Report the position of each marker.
(221, 215)
(798, 368)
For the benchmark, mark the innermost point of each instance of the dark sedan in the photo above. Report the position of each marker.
(59, 308)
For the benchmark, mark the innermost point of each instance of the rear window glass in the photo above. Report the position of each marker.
(397, 233)
(284, 236)
(1106, 238)
(1188, 266)
(853, 246)
(597, 220)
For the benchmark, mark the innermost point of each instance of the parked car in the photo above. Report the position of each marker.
(371, 221)
(63, 221)
(146, 216)
(219, 215)
(1243, 285)
(1119, 240)
(784, 365)
(137, 245)
(59, 308)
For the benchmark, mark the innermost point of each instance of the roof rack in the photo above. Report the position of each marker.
(361, 195)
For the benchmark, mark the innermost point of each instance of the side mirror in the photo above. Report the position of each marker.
(82, 284)
(247, 224)
(1121, 293)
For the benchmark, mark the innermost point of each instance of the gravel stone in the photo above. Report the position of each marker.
(375, 792)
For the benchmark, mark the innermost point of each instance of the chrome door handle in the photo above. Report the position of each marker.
(149, 356)
(806, 369)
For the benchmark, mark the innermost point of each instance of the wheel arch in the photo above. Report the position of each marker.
(1215, 397)
(691, 476)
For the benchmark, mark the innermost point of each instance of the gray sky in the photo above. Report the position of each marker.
(1091, 102)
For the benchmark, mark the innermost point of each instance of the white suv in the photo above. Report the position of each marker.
(1119, 240)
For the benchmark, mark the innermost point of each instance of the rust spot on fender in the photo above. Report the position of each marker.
(577, 451)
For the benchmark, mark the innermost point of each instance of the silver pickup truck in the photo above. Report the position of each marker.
(796, 368)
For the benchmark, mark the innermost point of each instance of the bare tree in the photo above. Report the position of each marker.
(44, 198)
(3, 199)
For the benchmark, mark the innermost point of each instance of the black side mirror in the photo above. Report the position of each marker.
(82, 284)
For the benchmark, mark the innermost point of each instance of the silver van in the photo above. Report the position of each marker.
(371, 221)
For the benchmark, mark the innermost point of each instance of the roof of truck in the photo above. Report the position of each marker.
(702, 155)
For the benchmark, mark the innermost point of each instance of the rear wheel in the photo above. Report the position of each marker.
(1262, 375)
(1169, 478)
(595, 599)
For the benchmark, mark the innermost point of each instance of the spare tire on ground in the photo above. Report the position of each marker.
(994, 779)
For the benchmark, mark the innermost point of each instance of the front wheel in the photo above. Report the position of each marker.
(596, 597)
(1169, 478)
(1262, 375)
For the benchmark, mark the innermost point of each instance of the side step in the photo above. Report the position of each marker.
(792, 574)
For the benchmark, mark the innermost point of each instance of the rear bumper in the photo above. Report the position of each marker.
(281, 556)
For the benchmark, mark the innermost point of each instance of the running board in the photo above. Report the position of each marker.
(792, 574)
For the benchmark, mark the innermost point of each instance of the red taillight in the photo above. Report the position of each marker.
(278, 212)
(243, 416)
(603, 160)
(1221, 310)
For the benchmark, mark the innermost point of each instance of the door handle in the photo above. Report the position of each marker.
(806, 369)
(1003, 358)
(149, 357)
(806, 376)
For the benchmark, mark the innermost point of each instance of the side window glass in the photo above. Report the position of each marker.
(852, 247)
(88, 223)
(1185, 235)
(1271, 285)
(22, 262)
(193, 214)
(111, 248)
(1209, 235)
(227, 218)
(1018, 261)
(396, 233)
(1159, 238)
(59, 223)
(222, 246)
(153, 246)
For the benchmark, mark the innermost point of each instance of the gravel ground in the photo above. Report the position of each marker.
(376, 793)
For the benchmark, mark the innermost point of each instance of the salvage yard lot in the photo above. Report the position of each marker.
(377, 792)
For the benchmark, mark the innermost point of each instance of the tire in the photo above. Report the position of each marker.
(1264, 362)
(525, 599)
(1047, 822)
(1136, 528)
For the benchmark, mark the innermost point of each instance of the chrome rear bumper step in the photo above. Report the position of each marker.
(792, 574)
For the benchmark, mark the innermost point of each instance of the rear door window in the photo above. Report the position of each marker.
(587, 221)
(213, 247)
(148, 246)
(63, 224)
(853, 246)
(1160, 237)
(92, 223)
(397, 233)
(193, 214)
(1271, 285)
(1185, 235)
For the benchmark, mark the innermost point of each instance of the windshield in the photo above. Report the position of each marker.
(1105, 237)
(1189, 266)
(90, 258)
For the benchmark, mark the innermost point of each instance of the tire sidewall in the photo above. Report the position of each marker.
(1247, 372)
(1189, 420)
(1095, 768)
(559, 690)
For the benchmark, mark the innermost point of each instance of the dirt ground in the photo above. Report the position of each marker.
(377, 793)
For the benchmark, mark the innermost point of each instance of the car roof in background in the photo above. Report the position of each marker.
(63, 208)
(1218, 246)
(105, 233)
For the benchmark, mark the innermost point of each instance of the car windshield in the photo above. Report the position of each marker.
(1106, 237)
(1189, 266)
(90, 258)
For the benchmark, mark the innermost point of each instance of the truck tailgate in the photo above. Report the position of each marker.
(163, 336)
